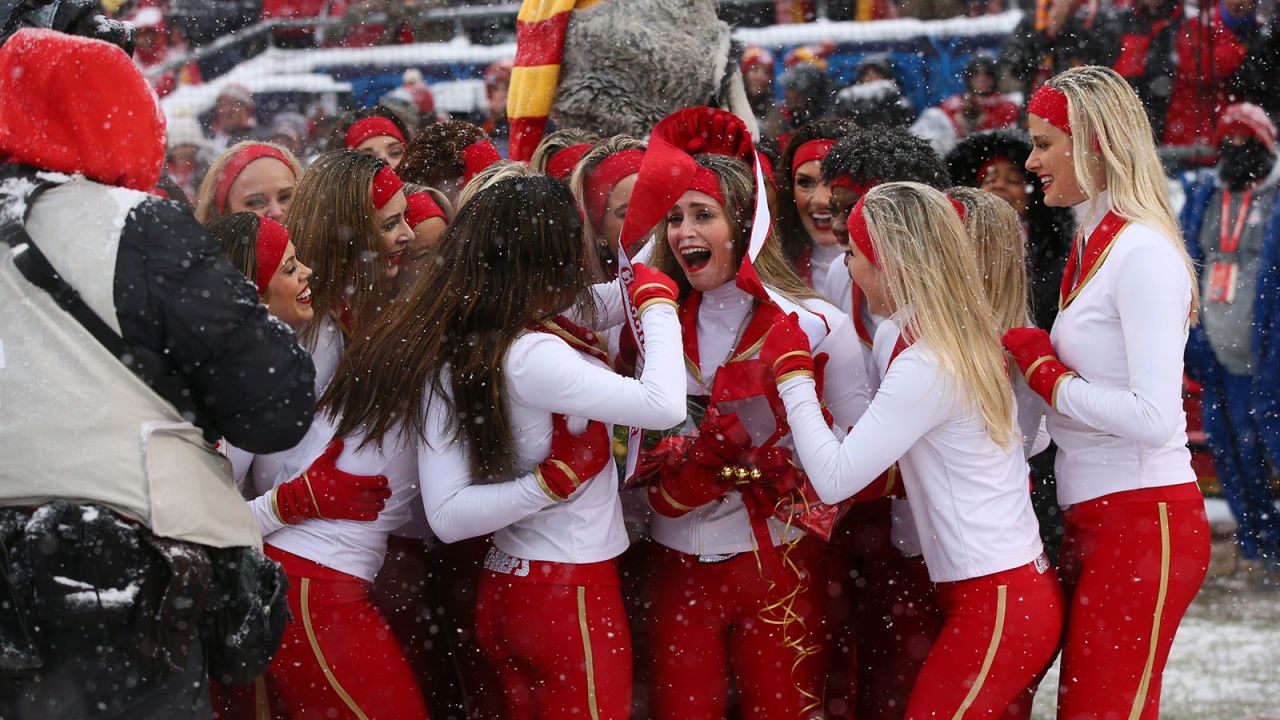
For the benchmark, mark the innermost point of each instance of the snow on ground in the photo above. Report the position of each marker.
(1225, 658)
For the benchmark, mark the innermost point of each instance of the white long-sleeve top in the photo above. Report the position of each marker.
(326, 351)
(545, 375)
(825, 261)
(969, 497)
(350, 546)
(1120, 425)
(1031, 420)
(722, 526)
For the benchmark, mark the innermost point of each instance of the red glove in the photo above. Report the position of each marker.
(326, 493)
(1034, 353)
(574, 459)
(651, 287)
(785, 352)
(699, 130)
(721, 441)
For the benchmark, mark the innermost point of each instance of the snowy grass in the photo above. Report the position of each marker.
(1225, 662)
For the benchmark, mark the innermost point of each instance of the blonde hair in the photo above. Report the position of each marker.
(491, 175)
(578, 180)
(445, 206)
(206, 212)
(1105, 113)
(557, 141)
(737, 184)
(929, 266)
(994, 229)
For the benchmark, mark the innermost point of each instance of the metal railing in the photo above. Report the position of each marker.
(457, 15)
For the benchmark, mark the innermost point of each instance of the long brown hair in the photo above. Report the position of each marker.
(334, 227)
(737, 184)
(512, 257)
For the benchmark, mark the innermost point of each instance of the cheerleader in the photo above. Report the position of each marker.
(1136, 548)
(261, 249)
(883, 574)
(804, 201)
(345, 191)
(446, 156)
(559, 152)
(257, 177)
(717, 571)
(487, 410)
(944, 412)
(995, 162)
(427, 213)
(1000, 252)
(377, 133)
(602, 182)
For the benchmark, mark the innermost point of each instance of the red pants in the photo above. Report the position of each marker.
(884, 616)
(1000, 632)
(1131, 564)
(339, 658)
(556, 634)
(705, 625)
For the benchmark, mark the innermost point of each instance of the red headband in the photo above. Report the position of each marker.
(238, 163)
(476, 157)
(566, 159)
(1050, 104)
(422, 207)
(705, 180)
(273, 240)
(374, 126)
(601, 181)
(808, 152)
(860, 188)
(986, 166)
(386, 183)
(859, 235)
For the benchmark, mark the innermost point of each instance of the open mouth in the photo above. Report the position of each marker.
(395, 259)
(821, 221)
(1045, 181)
(696, 259)
(304, 297)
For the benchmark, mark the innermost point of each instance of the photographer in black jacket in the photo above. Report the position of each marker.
(115, 509)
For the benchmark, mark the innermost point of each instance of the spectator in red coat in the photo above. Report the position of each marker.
(1209, 50)
(981, 106)
(155, 44)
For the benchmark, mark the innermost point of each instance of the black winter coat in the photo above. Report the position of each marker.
(177, 296)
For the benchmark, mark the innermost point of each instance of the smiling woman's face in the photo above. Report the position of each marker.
(813, 203)
(1051, 160)
(700, 238)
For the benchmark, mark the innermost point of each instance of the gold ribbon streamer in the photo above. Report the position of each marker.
(780, 612)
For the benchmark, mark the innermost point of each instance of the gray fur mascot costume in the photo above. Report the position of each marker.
(618, 66)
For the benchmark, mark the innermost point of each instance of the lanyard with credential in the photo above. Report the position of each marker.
(1222, 274)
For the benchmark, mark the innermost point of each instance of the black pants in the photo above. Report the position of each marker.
(82, 680)
(116, 635)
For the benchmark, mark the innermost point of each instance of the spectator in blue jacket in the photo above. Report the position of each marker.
(1232, 226)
